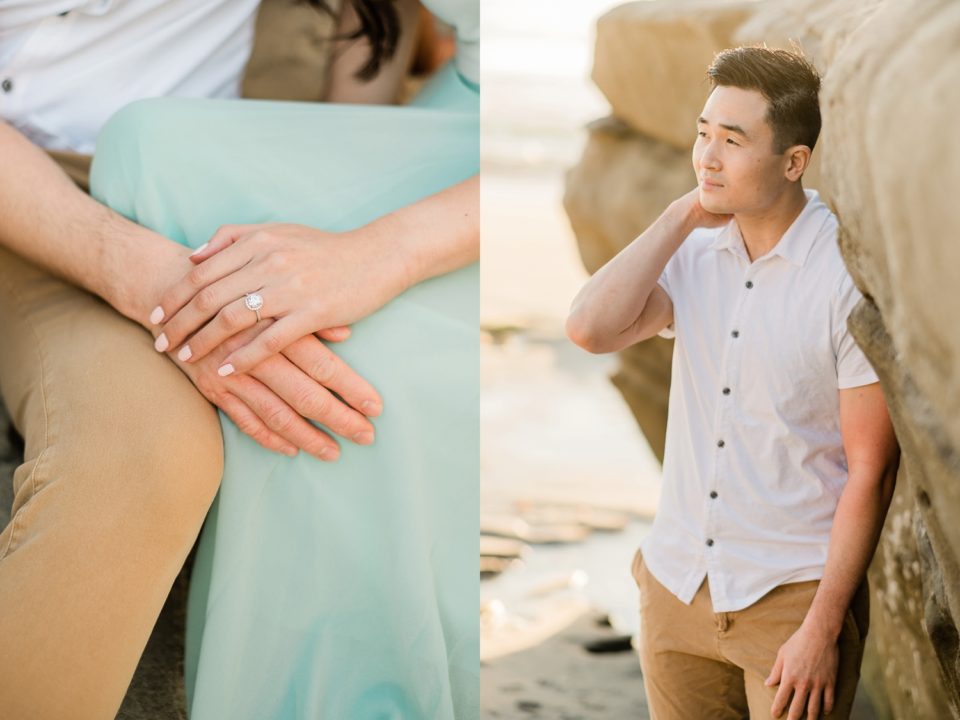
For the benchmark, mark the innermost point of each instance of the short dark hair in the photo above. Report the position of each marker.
(788, 81)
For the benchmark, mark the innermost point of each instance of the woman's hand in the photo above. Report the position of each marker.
(272, 403)
(309, 280)
(312, 281)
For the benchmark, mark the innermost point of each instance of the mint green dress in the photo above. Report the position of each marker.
(349, 590)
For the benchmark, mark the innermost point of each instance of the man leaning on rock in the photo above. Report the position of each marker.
(780, 457)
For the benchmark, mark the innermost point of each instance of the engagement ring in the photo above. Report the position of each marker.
(254, 301)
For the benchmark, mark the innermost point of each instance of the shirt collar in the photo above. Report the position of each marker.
(795, 244)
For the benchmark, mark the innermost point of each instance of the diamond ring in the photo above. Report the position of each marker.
(254, 301)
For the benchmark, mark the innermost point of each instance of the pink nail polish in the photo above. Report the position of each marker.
(199, 250)
(157, 315)
(225, 370)
(185, 353)
(161, 343)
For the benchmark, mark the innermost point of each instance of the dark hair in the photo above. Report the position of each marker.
(379, 23)
(788, 81)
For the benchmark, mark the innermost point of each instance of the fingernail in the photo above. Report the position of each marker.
(199, 250)
(371, 408)
(161, 343)
(157, 315)
(363, 438)
(328, 454)
(225, 370)
(290, 452)
(185, 353)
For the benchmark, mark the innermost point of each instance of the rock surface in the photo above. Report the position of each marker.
(650, 58)
(898, 215)
(819, 27)
(891, 69)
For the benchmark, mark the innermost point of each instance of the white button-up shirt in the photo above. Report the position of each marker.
(754, 462)
(67, 65)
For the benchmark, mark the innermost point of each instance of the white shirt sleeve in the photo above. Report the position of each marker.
(853, 368)
(666, 279)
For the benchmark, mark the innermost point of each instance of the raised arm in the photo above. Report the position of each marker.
(806, 665)
(622, 303)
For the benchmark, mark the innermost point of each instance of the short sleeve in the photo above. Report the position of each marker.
(853, 368)
(665, 282)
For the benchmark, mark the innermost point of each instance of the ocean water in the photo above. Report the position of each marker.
(553, 428)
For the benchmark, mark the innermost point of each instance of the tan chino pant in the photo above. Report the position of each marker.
(122, 460)
(702, 665)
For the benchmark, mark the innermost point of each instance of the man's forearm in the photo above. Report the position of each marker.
(853, 540)
(614, 298)
(47, 220)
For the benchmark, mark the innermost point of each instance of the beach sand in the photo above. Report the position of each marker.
(560, 680)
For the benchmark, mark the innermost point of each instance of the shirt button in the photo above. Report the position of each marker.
(7, 85)
(713, 494)
(726, 391)
(720, 443)
(736, 333)
(749, 284)
(709, 542)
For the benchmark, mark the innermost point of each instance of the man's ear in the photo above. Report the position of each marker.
(798, 160)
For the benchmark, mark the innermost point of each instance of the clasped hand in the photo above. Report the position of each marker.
(313, 284)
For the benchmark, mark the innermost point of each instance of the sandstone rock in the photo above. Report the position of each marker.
(624, 180)
(651, 58)
(894, 179)
(914, 575)
(894, 172)
(819, 27)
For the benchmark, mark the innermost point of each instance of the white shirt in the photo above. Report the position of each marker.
(754, 462)
(67, 65)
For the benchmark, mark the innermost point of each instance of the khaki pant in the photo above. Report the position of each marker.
(122, 459)
(700, 664)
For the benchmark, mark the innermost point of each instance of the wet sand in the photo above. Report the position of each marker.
(560, 680)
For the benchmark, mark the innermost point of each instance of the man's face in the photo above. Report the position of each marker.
(733, 155)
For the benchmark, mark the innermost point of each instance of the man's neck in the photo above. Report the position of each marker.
(761, 231)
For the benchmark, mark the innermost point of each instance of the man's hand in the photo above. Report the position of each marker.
(270, 403)
(622, 303)
(806, 667)
(695, 215)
